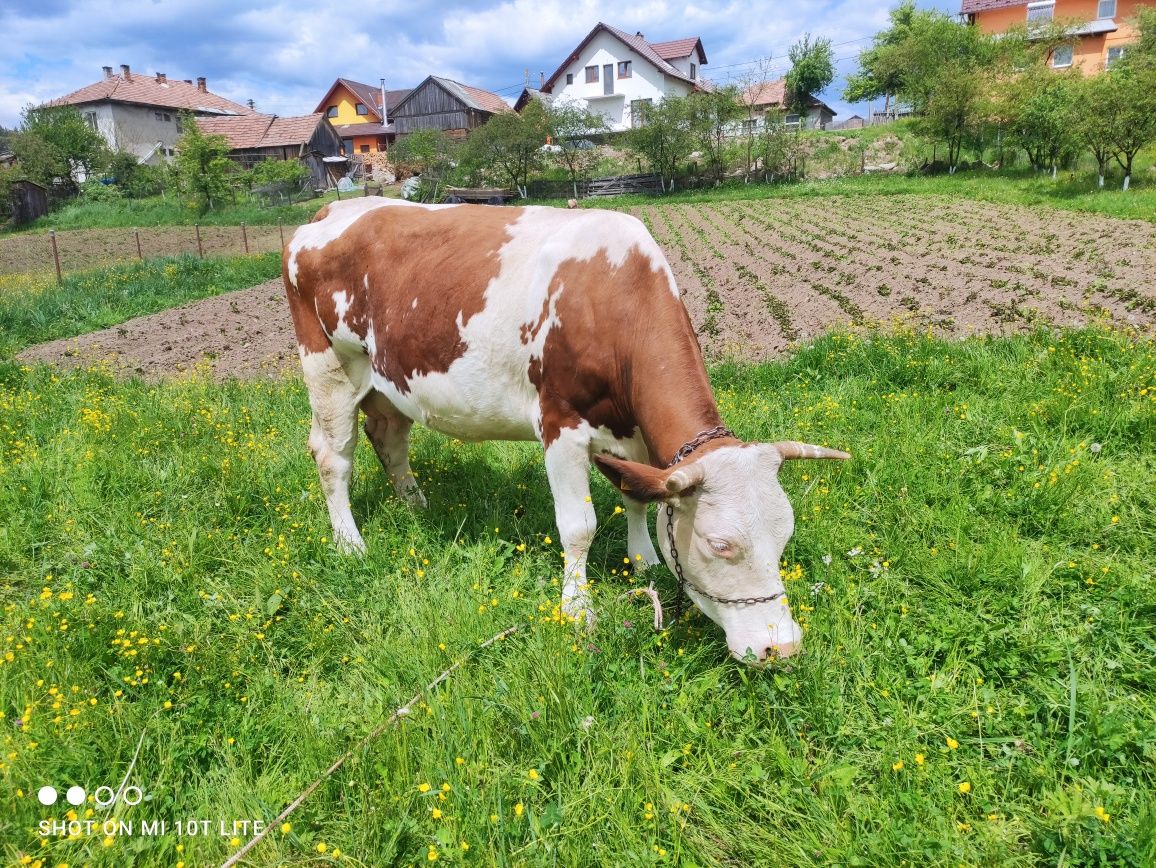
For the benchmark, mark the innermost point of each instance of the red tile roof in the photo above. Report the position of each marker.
(679, 48)
(147, 90)
(773, 94)
(261, 131)
(970, 6)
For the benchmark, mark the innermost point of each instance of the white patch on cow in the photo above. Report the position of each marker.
(413, 306)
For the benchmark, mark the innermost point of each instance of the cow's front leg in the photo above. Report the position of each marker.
(568, 469)
(639, 547)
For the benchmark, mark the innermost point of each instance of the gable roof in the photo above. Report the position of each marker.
(970, 6)
(470, 96)
(529, 93)
(262, 131)
(152, 90)
(774, 94)
(679, 48)
(368, 94)
(638, 43)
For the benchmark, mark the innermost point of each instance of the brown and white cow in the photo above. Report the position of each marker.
(544, 324)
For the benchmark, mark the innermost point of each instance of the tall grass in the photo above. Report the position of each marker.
(37, 310)
(977, 686)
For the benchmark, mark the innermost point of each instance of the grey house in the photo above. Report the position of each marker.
(140, 114)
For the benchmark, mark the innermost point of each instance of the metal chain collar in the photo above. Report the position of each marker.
(683, 583)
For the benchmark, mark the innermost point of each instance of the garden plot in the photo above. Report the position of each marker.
(759, 275)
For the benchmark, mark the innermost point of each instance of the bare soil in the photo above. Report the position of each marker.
(759, 276)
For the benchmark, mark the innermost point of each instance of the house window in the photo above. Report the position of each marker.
(365, 149)
(1106, 9)
(331, 112)
(591, 74)
(157, 115)
(569, 78)
(361, 109)
(1114, 54)
(1062, 56)
(693, 71)
(1042, 11)
(791, 120)
(624, 69)
(749, 126)
(638, 111)
(168, 117)
(90, 117)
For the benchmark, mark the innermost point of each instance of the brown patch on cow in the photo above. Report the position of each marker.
(310, 335)
(321, 214)
(443, 259)
(623, 355)
(638, 481)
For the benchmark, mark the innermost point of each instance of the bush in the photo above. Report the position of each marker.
(98, 191)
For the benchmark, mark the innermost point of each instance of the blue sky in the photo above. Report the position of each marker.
(284, 55)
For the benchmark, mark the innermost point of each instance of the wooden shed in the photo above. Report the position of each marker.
(255, 138)
(29, 202)
(443, 104)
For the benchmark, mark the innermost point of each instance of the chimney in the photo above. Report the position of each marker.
(188, 81)
(201, 86)
(541, 80)
(162, 78)
(639, 34)
(107, 71)
(126, 72)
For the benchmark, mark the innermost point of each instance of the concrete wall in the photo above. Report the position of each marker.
(134, 129)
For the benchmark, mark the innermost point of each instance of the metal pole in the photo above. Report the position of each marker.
(245, 236)
(55, 254)
(139, 254)
(281, 231)
(200, 248)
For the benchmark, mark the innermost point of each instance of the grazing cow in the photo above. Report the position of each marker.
(562, 326)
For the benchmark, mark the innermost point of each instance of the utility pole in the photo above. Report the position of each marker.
(384, 110)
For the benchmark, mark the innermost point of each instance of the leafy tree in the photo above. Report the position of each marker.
(55, 144)
(427, 153)
(664, 136)
(1092, 116)
(571, 124)
(202, 165)
(952, 112)
(1132, 101)
(779, 146)
(1038, 105)
(510, 144)
(812, 69)
(274, 171)
(878, 75)
(712, 116)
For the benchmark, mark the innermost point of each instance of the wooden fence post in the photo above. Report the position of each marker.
(55, 254)
(200, 248)
(245, 237)
(139, 254)
(281, 232)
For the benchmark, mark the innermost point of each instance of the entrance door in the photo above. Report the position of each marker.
(608, 78)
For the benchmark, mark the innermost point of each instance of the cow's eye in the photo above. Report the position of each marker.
(722, 548)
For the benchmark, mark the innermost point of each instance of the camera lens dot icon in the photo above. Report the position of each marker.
(47, 795)
(75, 795)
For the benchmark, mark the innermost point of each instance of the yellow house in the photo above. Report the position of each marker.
(355, 110)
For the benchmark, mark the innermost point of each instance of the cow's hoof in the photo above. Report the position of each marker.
(415, 498)
(351, 545)
(578, 609)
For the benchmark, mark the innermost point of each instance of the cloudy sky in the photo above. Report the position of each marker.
(284, 55)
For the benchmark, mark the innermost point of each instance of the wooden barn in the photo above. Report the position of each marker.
(444, 104)
(255, 138)
(29, 201)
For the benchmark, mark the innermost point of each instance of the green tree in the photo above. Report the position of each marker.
(878, 77)
(952, 112)
(203, 168)
(664, 136)
(571, 124)
(510, 145)
(1091, 114)
(56, 145)
(713, 115)
(812, 69)
(1039, 104)
(1133, 95)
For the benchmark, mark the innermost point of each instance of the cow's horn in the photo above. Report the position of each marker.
(794, 449)
(684, 478)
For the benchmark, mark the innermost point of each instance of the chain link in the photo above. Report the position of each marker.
(683, 582)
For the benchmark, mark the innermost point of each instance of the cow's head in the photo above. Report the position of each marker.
(731, 521)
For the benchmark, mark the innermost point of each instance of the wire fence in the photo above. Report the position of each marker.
(78, 249)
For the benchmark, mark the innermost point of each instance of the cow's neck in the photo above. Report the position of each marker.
(673, 403)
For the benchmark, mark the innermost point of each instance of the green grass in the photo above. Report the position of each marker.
(155, 211)
(33, 311)
(165, 572)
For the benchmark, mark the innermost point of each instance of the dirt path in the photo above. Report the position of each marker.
(757, 276)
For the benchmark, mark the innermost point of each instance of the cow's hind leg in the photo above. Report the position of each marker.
(568, 469)
(336, 388)
(388, 431)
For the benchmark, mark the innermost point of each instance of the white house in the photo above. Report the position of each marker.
(614, 73)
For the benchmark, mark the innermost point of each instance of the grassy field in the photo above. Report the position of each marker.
(978, 684)
(35, 308)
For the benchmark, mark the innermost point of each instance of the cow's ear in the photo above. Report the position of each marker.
(637, 481)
